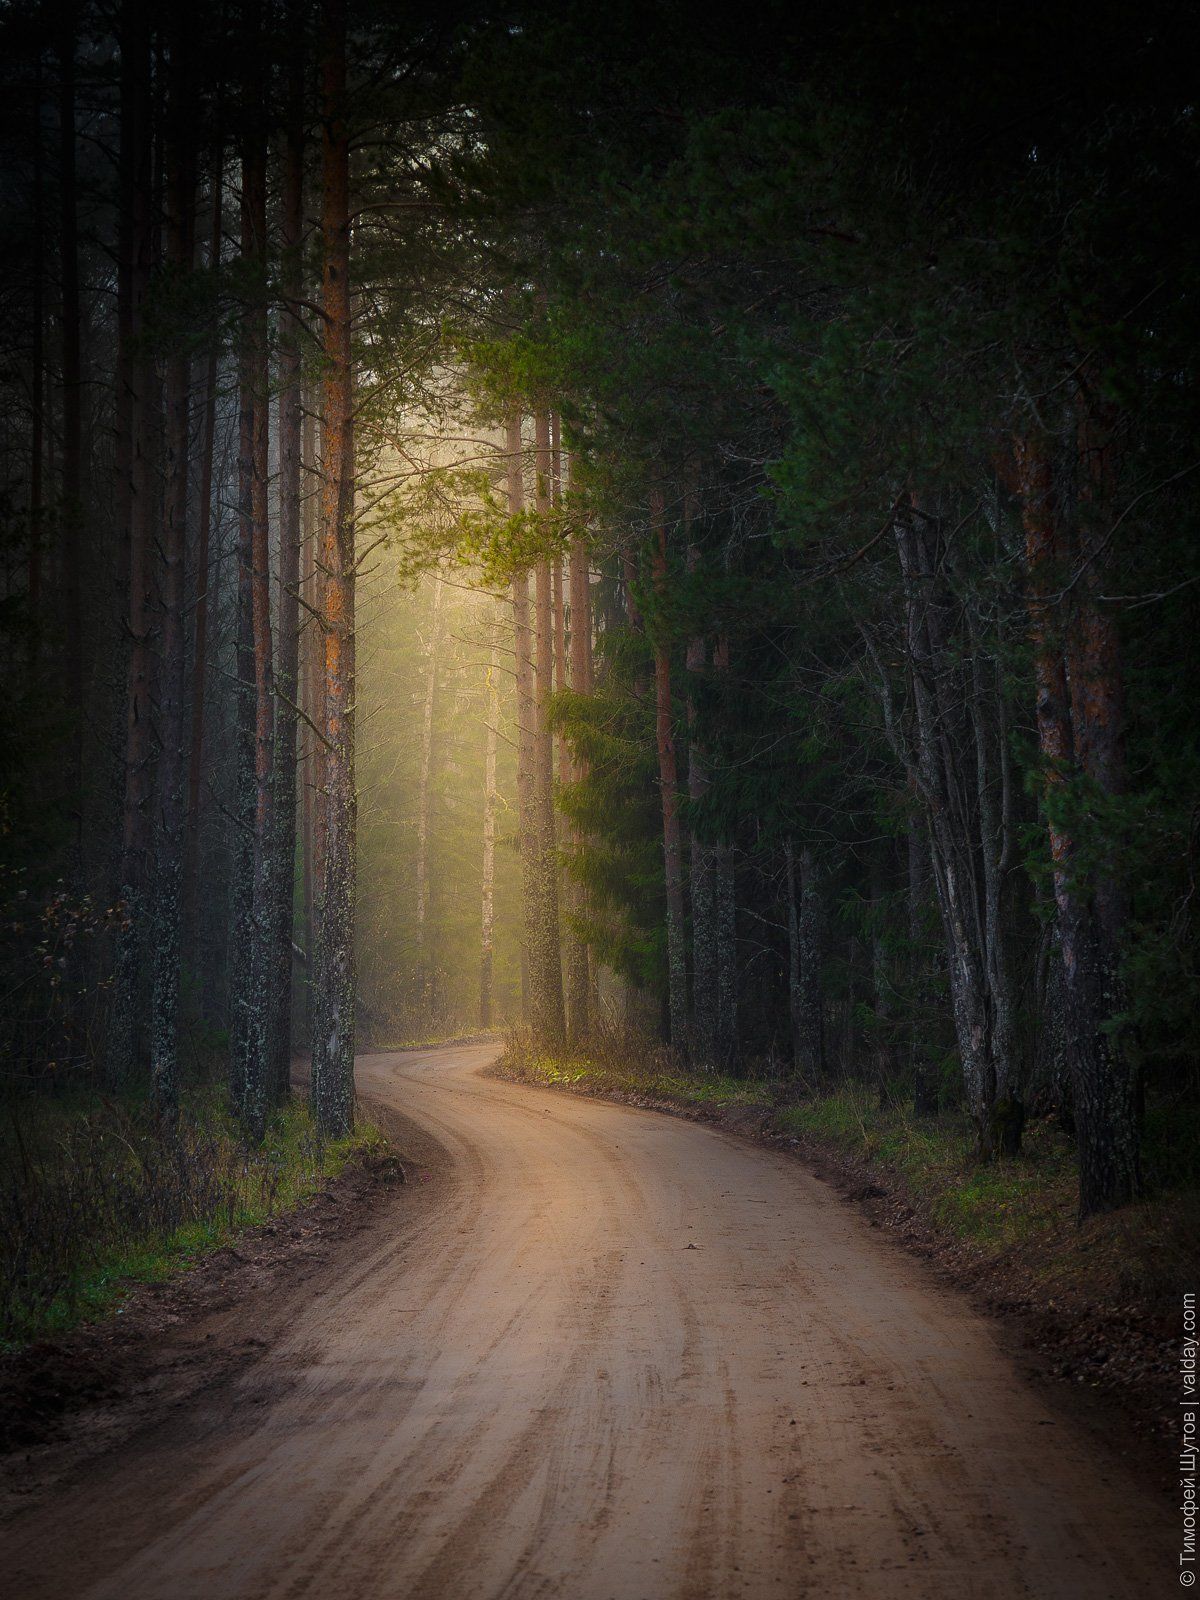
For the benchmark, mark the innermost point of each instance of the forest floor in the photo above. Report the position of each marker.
(1097, 1309)
(601, 1354)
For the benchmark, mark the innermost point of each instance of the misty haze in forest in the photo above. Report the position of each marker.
(659, 541)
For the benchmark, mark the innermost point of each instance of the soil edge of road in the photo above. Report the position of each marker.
(1047, 1343)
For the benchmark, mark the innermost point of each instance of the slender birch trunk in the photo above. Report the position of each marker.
(924, 1088)
(954, 852)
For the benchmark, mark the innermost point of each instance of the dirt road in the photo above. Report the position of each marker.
(608, 1355)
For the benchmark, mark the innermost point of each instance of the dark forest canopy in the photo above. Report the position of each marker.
(806, 395)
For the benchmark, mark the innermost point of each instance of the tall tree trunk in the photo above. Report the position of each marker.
(72, 378)
(809, 1019)
(291, 407)
(993, 786)
(256, 970)
(725, 900)
(559, 607)
(793, 928)
(170, 813)
(936, 767)
(134, 505)
(579, 997)
(924, 1088)
(702, 880)
(1089, 925)
(548, 1013)
(191, 863)
(333, 1057)
(668, 777)
(575, 953)
(526, 759)
(488, 897)
(37, 382)
(424, 974)
(313, 672)
(881, 981)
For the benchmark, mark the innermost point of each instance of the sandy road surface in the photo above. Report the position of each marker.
(534, 1385)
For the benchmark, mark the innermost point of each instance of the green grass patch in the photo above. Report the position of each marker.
(95, 1197)
(995, 1204)
(628, 1078)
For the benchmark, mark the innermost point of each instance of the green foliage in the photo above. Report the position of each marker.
(796, 281)
(615, 812)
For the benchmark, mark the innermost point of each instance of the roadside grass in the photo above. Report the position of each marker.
(995, 1205)
(1023, 1205)
(95, 1198)
(613, 1072)
(1017, 1214)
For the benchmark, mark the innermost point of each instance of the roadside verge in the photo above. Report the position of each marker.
(1095, 1310)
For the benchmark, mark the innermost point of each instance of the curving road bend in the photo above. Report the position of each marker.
(608, 1355)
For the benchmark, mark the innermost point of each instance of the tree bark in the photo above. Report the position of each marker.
(191, 865)
(966, 847)
(488, 896)
(291, 406)
(256, 971)
(668, 777)
(424, 975)
(72, 378)
(809, 1020)
(526, 815)
(314, 704)
(333, 1055)
(881, 980)
(37, 381)
(1084, 667)
(725, 899)
(134, 505)
(547, 1017)
(171, 808)
(924, 1089)
(579, 986)
(702, 879)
